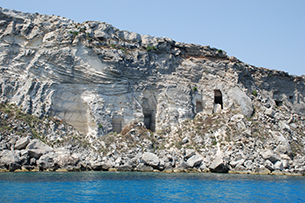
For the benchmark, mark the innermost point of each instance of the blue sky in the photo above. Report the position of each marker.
(263, 33)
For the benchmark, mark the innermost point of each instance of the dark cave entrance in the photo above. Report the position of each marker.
(117, 125)
(278, 103)
(199, 106)
(218, 98)
(150, 120)
(149, 108)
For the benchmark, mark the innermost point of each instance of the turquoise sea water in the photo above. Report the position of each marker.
(148, 187)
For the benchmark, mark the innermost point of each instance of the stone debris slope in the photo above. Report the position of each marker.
(88, 96)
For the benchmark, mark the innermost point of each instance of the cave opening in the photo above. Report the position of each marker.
(278, 103)
(149, 120)
(199, 106)
(218, 98)
(149, 106)
(117, 125)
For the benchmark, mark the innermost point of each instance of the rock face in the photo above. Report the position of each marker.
(106, 99)
(99, 79)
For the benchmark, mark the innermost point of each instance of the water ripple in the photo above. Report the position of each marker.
(148, 187)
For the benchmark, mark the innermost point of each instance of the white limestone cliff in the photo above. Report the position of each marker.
(100, 79)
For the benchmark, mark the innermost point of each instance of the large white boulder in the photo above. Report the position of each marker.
(219, 165)
(194, 161)
(22, 143)
(242, 100)
(151, 159)
(270, 155)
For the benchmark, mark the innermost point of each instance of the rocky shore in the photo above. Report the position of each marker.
(208, 143)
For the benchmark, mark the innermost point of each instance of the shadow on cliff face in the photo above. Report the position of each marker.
(279, 86)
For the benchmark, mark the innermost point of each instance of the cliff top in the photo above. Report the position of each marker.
(102, 35)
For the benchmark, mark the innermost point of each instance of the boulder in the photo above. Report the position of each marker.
(151, 159)
(237, 118)
(14, 166)
(242, 100)
(168, 167)
(32, 161)
(283, 146)
(144, 168)
(185, 140)
(37, 148)
(64, 160)
(269, 112)
(194, 161)
(262, 170)
(270, 155)
(217, 108)
(24, 157)
(47, 162)
(239, 168)
(189, 153)
(100, 166)
(38, 144)
(218, 165)
(278, 166)
(285, 163)
(248, 164)
(109, 163)
(203, 167)
(269, 165)
(236, 162)
(10, 159)
(22, 143)
(132, 36)
(35, 153)
(100, 34)
(4, 146)
(161, 164)
(182, 165)
(8, 156)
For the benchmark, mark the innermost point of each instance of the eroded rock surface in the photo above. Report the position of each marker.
(106, 99)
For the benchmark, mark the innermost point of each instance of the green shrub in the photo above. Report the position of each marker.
(195, 89)
(100, 126)
(7, 111)
(74, 33)
(254, 93)
(113, 46)
(220, 51)
(151, 48)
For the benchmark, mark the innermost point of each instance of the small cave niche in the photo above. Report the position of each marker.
(218, 98)
(278, 103)
(149, 110)
(290, 97)
(150, 120)
(117, 124)
(199, 107)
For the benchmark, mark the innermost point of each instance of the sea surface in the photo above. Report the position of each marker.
(148, 187)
